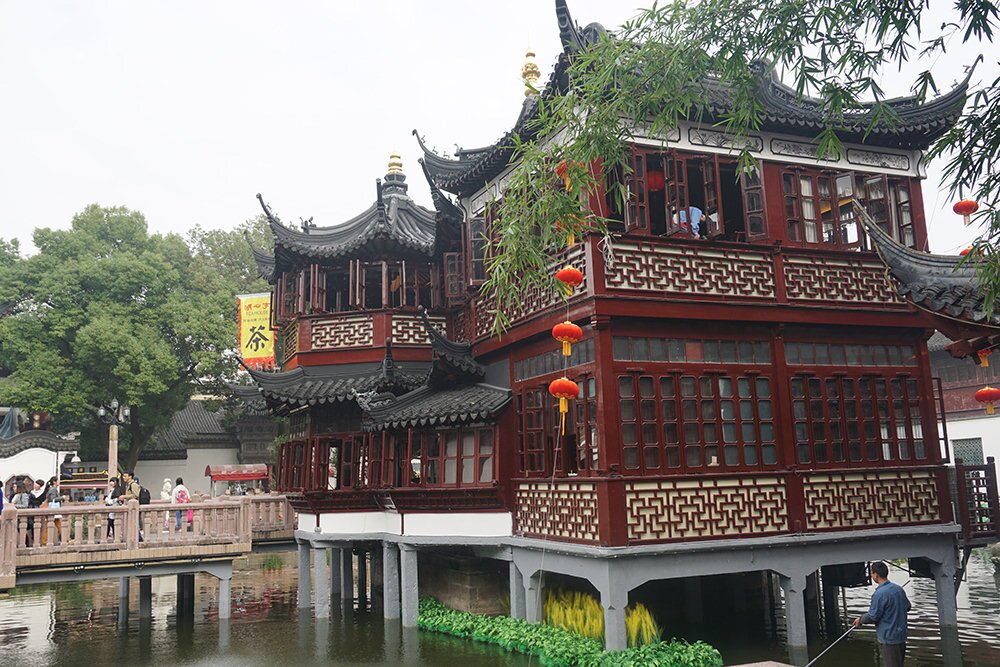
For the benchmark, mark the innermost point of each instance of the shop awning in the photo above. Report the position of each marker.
(237, 473)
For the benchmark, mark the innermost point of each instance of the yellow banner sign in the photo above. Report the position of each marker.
(256, 335)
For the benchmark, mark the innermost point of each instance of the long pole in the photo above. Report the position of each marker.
(113, 450)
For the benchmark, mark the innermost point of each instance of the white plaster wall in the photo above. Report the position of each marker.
(37, 462)
(351, 523)
(986, 427)
(459, 524)
(152, 473)
(306, 522)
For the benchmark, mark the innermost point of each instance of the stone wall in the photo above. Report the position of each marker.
(465, 582)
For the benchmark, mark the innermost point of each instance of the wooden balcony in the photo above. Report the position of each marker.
(633, 511)
(672, 272)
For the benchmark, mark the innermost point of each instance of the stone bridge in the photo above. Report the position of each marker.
(90, 541)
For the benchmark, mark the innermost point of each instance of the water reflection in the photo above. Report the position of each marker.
(84, 623)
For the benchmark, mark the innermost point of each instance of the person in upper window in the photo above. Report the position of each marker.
(681, 219)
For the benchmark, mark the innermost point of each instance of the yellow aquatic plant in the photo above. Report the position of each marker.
(582, 613)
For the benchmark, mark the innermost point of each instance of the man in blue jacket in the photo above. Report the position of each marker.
(888, 613)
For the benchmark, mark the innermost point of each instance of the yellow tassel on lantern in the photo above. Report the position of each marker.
(571, 240)
(564, 408)
(984, 358)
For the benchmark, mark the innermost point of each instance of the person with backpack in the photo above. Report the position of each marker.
(180, 496)
(134, 491)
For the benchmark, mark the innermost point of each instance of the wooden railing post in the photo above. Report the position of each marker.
(961, 487)
(245, 519)
(992, 493)
(8, 547)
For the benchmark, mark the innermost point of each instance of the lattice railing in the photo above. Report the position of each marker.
(289, 340)
(978, 503)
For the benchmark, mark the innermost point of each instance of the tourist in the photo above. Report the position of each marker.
(180, 496)
(682, 221)
(36, 501)
(55, 499)
(888, 613)
(131, 489)
(110, 499)
(22, 501)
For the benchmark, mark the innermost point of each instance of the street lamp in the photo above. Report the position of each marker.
(114, 415)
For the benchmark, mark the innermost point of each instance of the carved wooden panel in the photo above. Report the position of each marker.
(707, 507)
(339, 332)
(695, 271)
(828, 279)
(289, 340)
(533, 297)
(562, 510)
(409, 329)
(870, 499)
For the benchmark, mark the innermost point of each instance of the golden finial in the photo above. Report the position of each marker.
(530, 74)
(395, 163)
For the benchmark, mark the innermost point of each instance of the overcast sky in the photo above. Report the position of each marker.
(185, 109)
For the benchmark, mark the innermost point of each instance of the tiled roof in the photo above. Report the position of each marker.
(428, 406)
(916, 126)
(192, 424)
(309, 385)
(942, 284)
(36, 439)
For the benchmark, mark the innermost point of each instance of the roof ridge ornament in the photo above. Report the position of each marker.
(271, 217)
(395, 163)
(530, 74)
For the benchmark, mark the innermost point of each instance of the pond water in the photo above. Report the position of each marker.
(77, 624)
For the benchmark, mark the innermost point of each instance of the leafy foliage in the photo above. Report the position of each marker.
(658, 69)
(107, 310)
(556, 647)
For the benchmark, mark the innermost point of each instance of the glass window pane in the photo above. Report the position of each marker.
(626, 386)
(620, 348)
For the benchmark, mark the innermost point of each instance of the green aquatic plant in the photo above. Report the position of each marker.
(556, 647)
(272, 563)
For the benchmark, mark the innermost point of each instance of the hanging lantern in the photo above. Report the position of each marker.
(574, 222)
(567, 333)
(564, 389)
(966, 208)
(571, 277)
(655, 181)
(984, 357)
(966, 251)
(988, 395)
(562, 171)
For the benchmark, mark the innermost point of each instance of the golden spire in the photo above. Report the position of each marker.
(395, 163)
(530, 74)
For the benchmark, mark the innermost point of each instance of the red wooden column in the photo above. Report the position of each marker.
(785, 431)
(611, 491)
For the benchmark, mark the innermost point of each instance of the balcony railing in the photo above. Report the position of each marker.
(978, 504)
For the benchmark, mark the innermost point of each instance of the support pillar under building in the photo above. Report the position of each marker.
(409, 588)
(794, 588)
(944, 583)
(185, 596)
(347, 574)
(320, 581)
(226, 597)
(303, 571)
(123, 584)
(517, 606)
(336, 572)
(533, 598)
(615, 634)
(145, 598)
(390, 581)
(363, 574)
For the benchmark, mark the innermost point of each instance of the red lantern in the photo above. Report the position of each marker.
(984, 358)
(564, 389)
(571, 277)
(567, 333)
(966, 251)
(988, 395)
(966, 208)
(655, 181)
(562, 171)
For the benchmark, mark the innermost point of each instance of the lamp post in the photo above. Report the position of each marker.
(114, 415)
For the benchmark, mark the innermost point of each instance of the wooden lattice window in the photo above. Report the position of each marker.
(856, 419)
(819, 207)
(462, 457)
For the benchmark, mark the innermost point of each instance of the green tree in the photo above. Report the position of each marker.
(106, 310)
(223, 256)
(660, 67)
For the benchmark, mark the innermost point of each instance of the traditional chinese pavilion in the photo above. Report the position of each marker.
(755, 400)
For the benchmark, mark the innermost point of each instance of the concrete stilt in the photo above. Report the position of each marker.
(831, 612)
(145, 597)
(693, 609)
(517, 607)
(944, 582)
(336, 572)
(533, 598)
(347, 574)
(123, 584)
(363, 574)
(304, 568)
(225, 598)
(185, 596)
(225, 633)
(375, 565)
(795, 617)
(615, 634)
(320, 581)
(812, 603)
(409, 588)
(390, 581)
